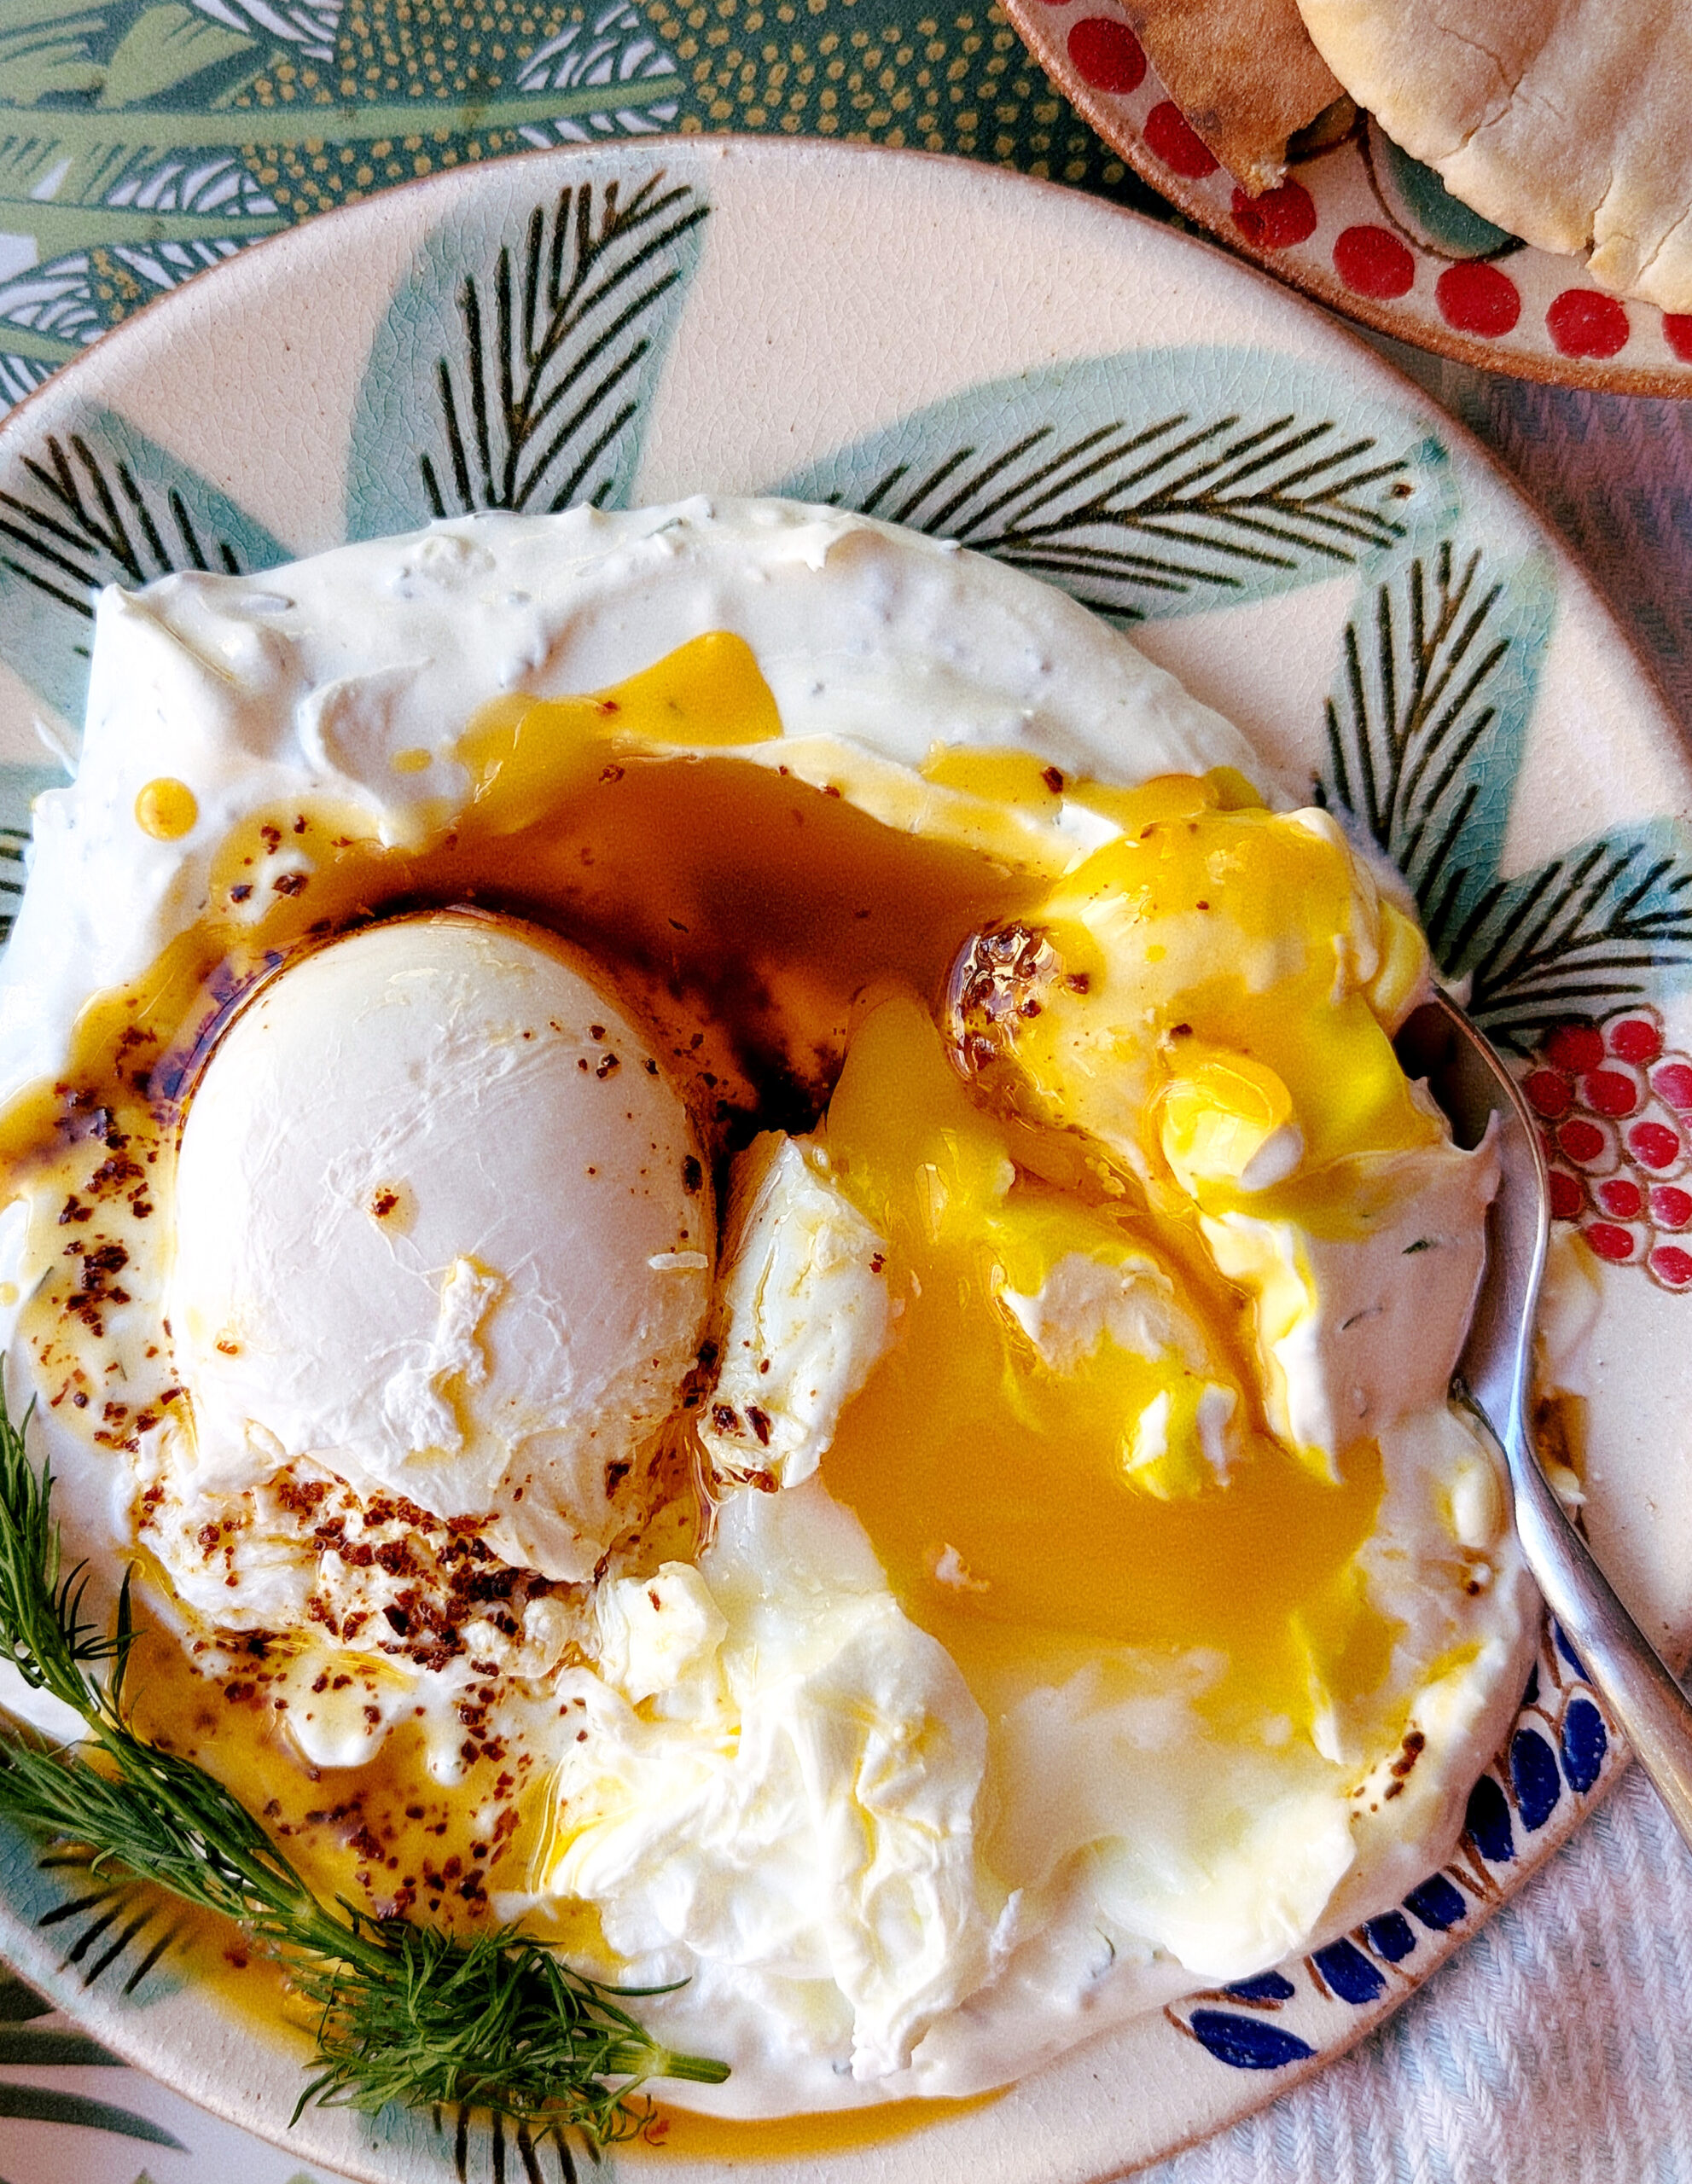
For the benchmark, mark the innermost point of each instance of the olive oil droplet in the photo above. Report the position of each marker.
(166, 809)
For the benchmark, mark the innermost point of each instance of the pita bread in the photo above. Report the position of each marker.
(1567, 122)
(1243, 72)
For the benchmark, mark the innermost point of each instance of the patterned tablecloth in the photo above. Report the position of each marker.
(142, 140)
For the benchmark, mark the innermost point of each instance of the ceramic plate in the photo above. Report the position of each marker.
(1365, 227)
(1197, 455)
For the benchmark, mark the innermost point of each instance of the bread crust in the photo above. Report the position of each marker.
(1244, 73)
(1567, 122)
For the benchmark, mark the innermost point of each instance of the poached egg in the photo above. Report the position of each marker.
(1047, 1575)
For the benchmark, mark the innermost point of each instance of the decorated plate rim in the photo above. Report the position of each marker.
(1103, 108)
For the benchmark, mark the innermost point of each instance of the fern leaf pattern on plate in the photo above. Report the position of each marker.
(487, 2144)
(1424, 729)
(103, 504)
(515, 367)
(1151, 484)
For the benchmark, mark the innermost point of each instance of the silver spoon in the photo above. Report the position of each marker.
(1471, 1083)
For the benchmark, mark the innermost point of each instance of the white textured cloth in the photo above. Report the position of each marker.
(1556, 2048)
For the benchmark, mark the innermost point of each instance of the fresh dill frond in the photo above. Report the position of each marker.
(405, 2013)
(498, 2021)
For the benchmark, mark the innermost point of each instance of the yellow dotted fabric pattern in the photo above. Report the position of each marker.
(956, 81)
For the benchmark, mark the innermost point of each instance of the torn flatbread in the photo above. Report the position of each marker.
(1567, 122)
(1243, 72)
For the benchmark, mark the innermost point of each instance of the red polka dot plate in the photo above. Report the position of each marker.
(1364, 228)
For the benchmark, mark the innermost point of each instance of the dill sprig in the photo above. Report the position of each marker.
(405, 2013)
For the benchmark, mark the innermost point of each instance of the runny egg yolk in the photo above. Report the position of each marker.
(1219, 980)
(1206, 1003)
(1216, 1005)
(994, 1486)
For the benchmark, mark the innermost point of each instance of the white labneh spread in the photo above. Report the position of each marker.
(439, 1264)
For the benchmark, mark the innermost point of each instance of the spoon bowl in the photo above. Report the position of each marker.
(1468, 1078)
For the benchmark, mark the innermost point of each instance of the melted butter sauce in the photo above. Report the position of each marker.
(384, 1834)
(791, 2138)
(742, 909)
(747, 912)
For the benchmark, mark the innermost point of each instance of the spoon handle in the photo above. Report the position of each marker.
(1646, 1703)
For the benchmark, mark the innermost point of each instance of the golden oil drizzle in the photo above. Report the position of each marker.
(166, 809)
(745, 908)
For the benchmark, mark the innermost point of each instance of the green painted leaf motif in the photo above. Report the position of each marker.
(110, 110)
(61, 158)
(1427, 719)
(104, 504)
(165, 47)
(515, 367)
(20, 785)
(47, 48)
(110, 1927)
(1155, 483)
(1426, 726)
(44, 2105)
(19, 2002)
(612, 50)
(1604, 924)
(114, 1934)
(514, 2150)
(25, 2047)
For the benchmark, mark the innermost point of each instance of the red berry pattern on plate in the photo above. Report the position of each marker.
(1615, 1117)
(1359, 224)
